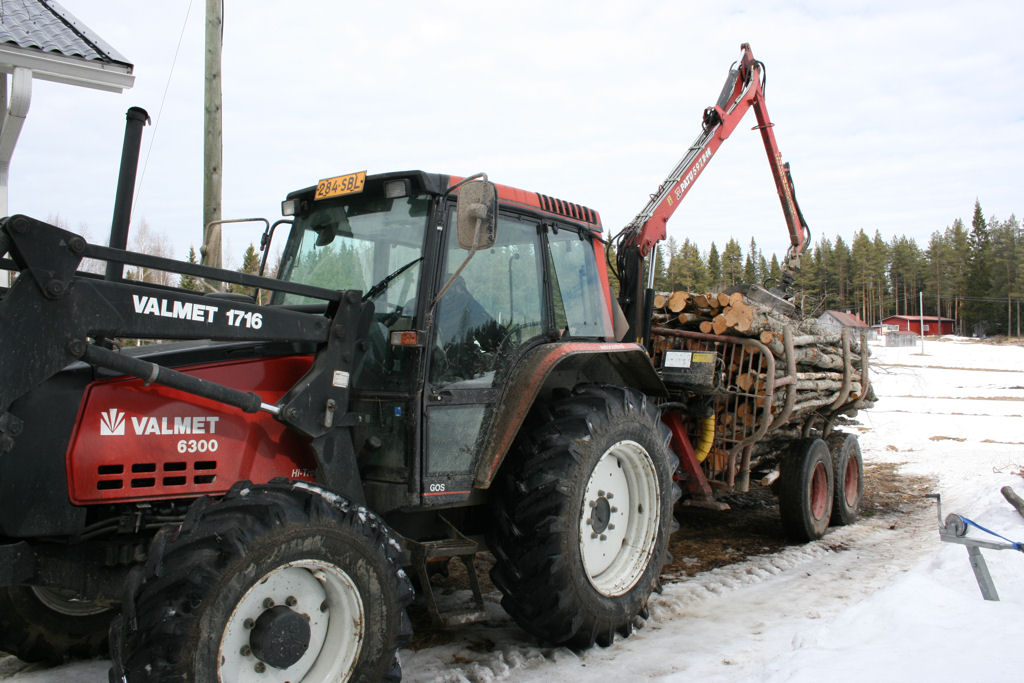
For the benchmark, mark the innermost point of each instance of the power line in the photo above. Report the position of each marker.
(160, 111)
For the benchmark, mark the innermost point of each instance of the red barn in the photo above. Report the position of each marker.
(933, 326)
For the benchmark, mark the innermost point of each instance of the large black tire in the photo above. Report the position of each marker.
(49, 625)
(563, 565)
(272, 582)
(805, 490)
(849, 478)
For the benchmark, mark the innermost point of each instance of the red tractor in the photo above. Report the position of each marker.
(438, 372)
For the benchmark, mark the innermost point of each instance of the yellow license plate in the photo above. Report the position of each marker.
(340, 185)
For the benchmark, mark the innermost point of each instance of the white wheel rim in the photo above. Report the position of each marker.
(620, 518)
(323, 593)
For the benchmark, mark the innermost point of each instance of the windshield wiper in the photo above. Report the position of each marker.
(378, 288)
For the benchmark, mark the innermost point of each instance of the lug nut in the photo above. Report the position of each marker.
(268, 603)
(260, 667)
(291, 601)
(248, 623)
(245, 651)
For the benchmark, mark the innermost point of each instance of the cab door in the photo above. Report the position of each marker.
(491, 312)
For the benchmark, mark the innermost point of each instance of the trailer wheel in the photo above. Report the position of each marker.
(282, 582)
(584, 512)
(805, 490)
(849, 478)
(51, 625)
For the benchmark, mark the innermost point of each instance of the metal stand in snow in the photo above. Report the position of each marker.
(954, 530)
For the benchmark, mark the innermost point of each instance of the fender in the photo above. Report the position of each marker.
(559, 365)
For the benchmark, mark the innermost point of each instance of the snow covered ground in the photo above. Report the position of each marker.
(882, 600)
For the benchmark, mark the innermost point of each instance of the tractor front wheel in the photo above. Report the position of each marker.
(281, 582)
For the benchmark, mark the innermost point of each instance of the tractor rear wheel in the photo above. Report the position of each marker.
(584, 512)
(281, 582)
(849, 478)
(51, 625)
(805, 490)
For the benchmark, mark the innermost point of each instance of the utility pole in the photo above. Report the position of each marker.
(213, 148)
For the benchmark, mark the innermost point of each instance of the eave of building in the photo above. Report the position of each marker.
(48, 66)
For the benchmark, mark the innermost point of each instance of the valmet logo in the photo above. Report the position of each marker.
(113, 423)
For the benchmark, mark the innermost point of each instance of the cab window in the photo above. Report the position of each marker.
(493, 306)
(575, 285)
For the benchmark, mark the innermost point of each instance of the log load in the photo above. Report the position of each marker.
(819, 373)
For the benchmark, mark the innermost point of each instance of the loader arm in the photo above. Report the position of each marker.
(53, 315)
(743, 90)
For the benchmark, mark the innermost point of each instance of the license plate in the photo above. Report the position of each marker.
(340, 185)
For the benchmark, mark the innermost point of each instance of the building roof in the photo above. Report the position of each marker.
(42, 36)
(847, 319)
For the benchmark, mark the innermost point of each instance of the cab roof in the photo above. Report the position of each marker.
(436, 183)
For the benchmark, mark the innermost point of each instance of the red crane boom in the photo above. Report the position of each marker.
(744, 89)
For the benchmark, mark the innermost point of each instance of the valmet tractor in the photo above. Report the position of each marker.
(438, 372)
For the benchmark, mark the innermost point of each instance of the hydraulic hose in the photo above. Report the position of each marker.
(707, 437)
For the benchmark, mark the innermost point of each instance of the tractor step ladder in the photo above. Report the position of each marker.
(426, 552)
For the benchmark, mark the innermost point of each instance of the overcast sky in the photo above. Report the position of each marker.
(895, 116)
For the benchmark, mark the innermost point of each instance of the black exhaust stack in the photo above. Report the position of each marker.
(136, 119)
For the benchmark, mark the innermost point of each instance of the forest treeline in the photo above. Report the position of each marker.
(973, 274)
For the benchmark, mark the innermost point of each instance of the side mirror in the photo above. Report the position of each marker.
(477, 215)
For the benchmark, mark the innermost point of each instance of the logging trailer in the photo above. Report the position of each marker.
(441, 370)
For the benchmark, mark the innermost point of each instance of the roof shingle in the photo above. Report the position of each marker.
(45, 25)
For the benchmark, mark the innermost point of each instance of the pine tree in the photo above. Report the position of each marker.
(1005, 247)
(188, 281)
(714, 272)
(773, 274)
(694, 272)
(750, 271)
(879, 266)
(663, 257)
(905, 273)
(732, 262)
(250, 265)
(751, 276)
(863, 284)
(977, 312)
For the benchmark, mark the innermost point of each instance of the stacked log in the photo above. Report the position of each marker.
(814, 376)
(710, 313)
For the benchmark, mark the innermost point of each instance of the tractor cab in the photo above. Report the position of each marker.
(463, 287)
